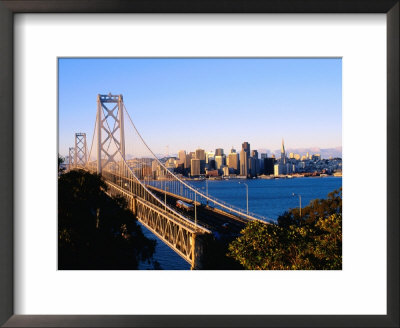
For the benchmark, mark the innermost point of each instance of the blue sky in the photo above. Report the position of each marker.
(208, 103)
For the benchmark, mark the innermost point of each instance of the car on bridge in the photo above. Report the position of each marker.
(226, 225)
(185, 206)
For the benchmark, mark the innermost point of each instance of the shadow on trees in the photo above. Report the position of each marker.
(312, 241)
(95, 231)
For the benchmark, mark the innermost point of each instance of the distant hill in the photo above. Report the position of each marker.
(324, 152)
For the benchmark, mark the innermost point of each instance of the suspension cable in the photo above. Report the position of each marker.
(264, 219)
(186, 220)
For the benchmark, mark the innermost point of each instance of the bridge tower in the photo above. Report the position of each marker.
(110, 114)
(71, 160)
(80, 154)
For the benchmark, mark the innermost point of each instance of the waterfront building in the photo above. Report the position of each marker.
(246, 148)
(269, 166)
(260, 166)
(212, 173)
(225, 170)
(283, 153)
(146, 172)
(180, 169)
(182, 156)
(316, 157)
(154, 165)
(188, 159)
(243, 163)
(252, 167)
(211, 164)
(279, 169)
(209, 155)
(170, 163)
(288, 168)
(200, 154)
(254, 154)
(233, 161)
(219, 161)
(195, 167)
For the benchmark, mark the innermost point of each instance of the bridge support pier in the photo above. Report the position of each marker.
(197, 253)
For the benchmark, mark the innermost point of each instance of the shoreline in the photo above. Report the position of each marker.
(261, 177)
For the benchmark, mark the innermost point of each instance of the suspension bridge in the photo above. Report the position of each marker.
(152, 191)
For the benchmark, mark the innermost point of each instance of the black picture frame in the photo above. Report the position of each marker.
(7, 10)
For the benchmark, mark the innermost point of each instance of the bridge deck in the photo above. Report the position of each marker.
(208, 217)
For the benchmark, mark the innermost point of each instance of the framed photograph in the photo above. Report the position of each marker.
(214, 129)
(203, 191)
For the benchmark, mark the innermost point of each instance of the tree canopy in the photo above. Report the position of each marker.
(313, 241)
(96, 231)
(61, 160)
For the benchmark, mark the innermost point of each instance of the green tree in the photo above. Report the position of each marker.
(61, 160)
(313, 241)
(316, 209)
(96, 231)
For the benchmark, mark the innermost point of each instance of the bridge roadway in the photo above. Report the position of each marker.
(207, 216)
(192, 244)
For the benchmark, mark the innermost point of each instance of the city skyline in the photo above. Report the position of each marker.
(218, 102)
(244, 162)
(332, 152)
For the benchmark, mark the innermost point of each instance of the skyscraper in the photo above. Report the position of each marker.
(283, 153)
(269, 166)
(243, 163)
(209, 155)
(187, 160)
(279, 169)
(182, 156)
(195, 167)
(246, 148)
(219, 161)
(219, 152)
(233, 161)
(252, 168)
(201, 154)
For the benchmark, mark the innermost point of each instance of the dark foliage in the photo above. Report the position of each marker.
(96, 231)
(61, 160)
(214, 254)
(310, 242)
(318, 208)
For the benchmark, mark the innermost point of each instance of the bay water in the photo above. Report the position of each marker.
(269, 198)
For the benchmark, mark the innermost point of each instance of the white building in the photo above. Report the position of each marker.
(209, 155)
(279, 169)
(225, 170)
